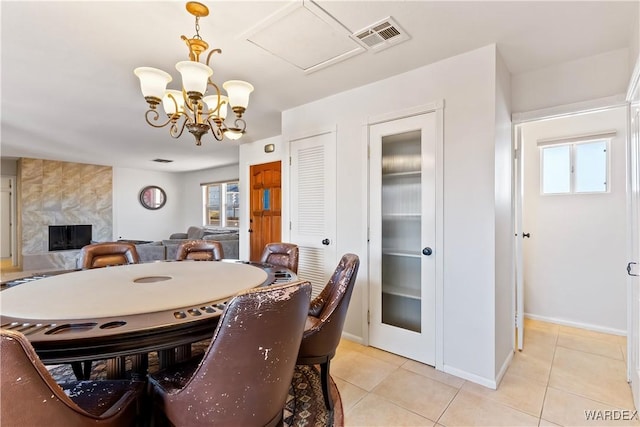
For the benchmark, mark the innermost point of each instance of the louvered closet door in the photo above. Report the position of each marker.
(313, 206)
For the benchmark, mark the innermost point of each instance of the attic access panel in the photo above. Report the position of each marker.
(304, 35)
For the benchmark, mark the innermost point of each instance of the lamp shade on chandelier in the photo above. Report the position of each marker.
(192, 107)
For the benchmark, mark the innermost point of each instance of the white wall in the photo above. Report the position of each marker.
(253, 154)
(467, 84)
(9, 167)
(505, 273)
(183, 207)
(574, 261)
(131, 220)
(584, 79)
(191, 192)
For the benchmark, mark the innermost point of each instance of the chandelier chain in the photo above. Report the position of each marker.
(197, 36)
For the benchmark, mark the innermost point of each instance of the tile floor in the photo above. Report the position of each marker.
(561, 373)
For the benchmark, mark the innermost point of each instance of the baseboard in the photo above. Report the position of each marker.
(573, 324)
(492, 384)
(505, 366)
(351, 337)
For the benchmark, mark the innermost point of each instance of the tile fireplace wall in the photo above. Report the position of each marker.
(61, 193)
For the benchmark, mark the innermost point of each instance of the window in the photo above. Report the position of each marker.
(581, 167)
(221, 202)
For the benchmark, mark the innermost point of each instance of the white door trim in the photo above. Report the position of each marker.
(436, 107)
(569, 109)
(633, 242)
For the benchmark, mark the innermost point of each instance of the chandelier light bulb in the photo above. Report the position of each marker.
(233, 134)
(238, 92)
(194, 76)
(153, 82)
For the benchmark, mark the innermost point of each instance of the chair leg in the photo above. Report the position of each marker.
(82, 370)
(324, 378)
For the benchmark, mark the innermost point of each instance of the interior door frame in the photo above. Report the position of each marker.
(436, 107)
(633, 241)
(12, 218)
(517, 197)
(518, 120)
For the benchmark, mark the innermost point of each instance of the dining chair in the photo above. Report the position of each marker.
(98, 255)
(282, 254)
(31, 397)
(325, 321)
(245, 374)
(200, 250)
(108, 254)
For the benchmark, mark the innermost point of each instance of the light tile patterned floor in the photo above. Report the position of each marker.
(561, 373)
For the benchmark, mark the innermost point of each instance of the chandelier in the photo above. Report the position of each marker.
(190, 107)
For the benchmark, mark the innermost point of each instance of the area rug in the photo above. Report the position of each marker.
(304, 406)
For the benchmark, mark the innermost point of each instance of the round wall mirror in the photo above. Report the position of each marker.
(153, 197)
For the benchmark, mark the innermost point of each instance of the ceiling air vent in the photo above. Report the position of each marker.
(381, 35)
(162, 160)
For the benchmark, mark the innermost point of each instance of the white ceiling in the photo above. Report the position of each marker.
(69, 92)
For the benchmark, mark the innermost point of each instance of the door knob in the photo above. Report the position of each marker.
(250, 230)
(326, 242)
(427, 251)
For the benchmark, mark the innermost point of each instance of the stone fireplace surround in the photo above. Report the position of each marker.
(61, 193)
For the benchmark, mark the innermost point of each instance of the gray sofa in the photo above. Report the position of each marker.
(167, 249)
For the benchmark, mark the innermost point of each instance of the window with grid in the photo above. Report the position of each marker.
(221, 204)
(579, 167)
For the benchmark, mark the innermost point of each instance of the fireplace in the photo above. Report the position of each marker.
(65, 237)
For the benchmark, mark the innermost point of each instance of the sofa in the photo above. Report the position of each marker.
(196, 232)
(167, 249)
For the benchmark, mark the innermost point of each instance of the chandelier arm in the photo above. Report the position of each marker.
(211, 112)
(217, 131)
(187, 102)
(173, 130)
(242, 122)
(155, 119)
(175, 102)
(210, 54)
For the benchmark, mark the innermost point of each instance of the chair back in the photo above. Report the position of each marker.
(31, 397)
(328, 310)
(200, 250)
(108, 254)
(282, 254)
(245, 374)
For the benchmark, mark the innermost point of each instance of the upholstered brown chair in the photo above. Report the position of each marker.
(282, 254)
(108, 254)
(200, 250)
(31, 397)
(327, 314)
(244, 377)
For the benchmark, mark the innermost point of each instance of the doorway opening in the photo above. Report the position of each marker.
(571, 244)
(8, 243)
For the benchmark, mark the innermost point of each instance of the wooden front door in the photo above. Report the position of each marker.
(266, 207)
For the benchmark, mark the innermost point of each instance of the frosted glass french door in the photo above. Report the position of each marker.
(403, 236)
